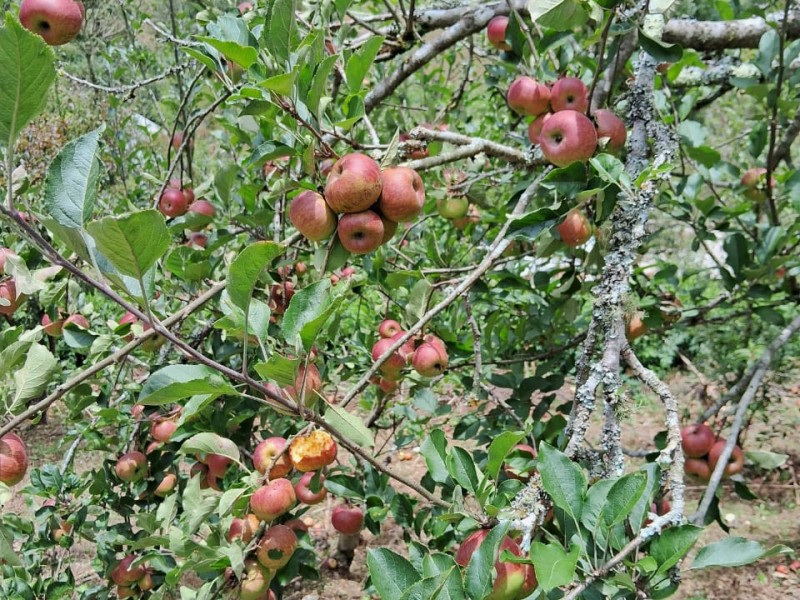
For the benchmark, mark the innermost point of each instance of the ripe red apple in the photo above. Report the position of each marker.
(53, 328)
(569, 93)
(512, 580)
(125, 574)
(388, 328)
(313, 451)
(635, 327)
(388, 386)
(453, 207)
(575, 229)
(166, 485)
(347, 519)
(173, 203)
(528, 453)
(407, 349)
(177, 140)
(610, 126)
(698, 467)
(755, 183)
(697, 440)
(218, 465)
(496, 33)
(255, 584)
(300, 268)
(527, 96)
(354, 184)
(274, 499)
(361, 232)
(312, 216)
(429, 360)
(5, 254)
(78, 321)
(244, 529)
(568, 136)
(277, 546)
(162, 430)
(735, 462)
(188, 193)
(394, 364)
(403, 194)
(8, 293)
(535, 128)
(389, 229)
(13, 459)
(131, 466)
(203, 207)
(304, 492)
(57, 21)
(266, 451)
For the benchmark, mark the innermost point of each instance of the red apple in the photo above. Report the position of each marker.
(277, 546)
(403, 194)
(389, 229)
(13, 459)
(388, 328)
(512, 580)
(245, 7)
(8, 293)
(735, 462)
(697, 440)
(53, 328)
(354, 184)
(496, 33)
(266, 451)
(255, 584)
(313, 385)
(274, 499)
(57, 21)
(304, 492)
(203, 207)
(162, 430)
(131, 466)
(78, 321)
(388, 386)
(188, 193)
(407, 349)
(217, 465)
(453, 207)
(244, 529)
(527, 96)
(611, 127)
(569, 93)
(394, 364)
(416, 153)
(177, 140)
(567, 137)
(173, 203)
(312, 216)
(575, 229)
(166, 485)
(346, 519)
(535, 128)
(698, 467)
(528, 453)
(362, 232)
(125, 574)
(429, 361)
(755, 183)
(313, 451)
(5, 254)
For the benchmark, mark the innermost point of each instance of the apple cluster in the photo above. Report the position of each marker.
(429, 358)
(58, 22)
(130, 579)
(176, 201)
(362, 203)
(13, 459)
(512, 581)
(703, 449)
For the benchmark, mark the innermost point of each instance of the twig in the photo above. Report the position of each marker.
(128, 89)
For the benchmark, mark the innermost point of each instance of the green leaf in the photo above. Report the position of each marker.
(499, 449)
(443, 586)
(71, 184)
(434, 451)
(279, 369)
(622, 497)
(480, 569)
(308, 311)
(673, 544)
(232, 39)
(418, 300)
(246, 269)
(359, 63)
(737, 250)
(278, 29)
(26, 74)
(768, 48)
(132, 243)
(767, 460)
(177, 382)
(660, 51)
(391, 574)
(734, 552)
(349, 425)
(553, 565)
(32, 379)
(280, 84)
(561, 15)
(318, 84)
(211, 443)
(269, 150)
(562, 479)
(530, 225)
(462, 468)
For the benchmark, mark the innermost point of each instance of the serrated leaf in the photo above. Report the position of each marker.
(246, 269)
(279, 27)
(308, 311)
(767, 460)
(480, 569)
(211, 443)
(554, 567)
(622, 497)
(434, 451)
(280, 84)
(391, 574)
(132, 243)
(32, 379)
(499, 449)
(177, 382)
(349, 425)
(734, 552)
(673, 544)
(462, 468)
(360, 61)
(279, 369)
(561, 15)
(562, 479)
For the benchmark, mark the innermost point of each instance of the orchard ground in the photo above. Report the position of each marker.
(774, 518)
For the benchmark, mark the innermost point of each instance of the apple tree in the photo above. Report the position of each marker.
(255, 257)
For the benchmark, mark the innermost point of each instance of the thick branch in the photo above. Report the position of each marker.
(721, 35)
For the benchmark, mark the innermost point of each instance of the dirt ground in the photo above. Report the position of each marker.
(774, 518)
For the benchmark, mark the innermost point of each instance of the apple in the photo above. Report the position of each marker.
(146, 583)
(125, 574)
(197, 239)
(13, 459)
(313, 451)
(78, 321)
(429, 360)
(415, 153)
(162, 430)
(512, 580)
(407, 349)
(188, 193)
(245, 7)
(735, 462)
(53, 328)
(473, 216)
(697, 440)
(361, 232)
(131, 466)
(388, 386)
(264, 454)
(217, 465)
(255, 584)
(526, 96)
(203, 207)
(346, 519)
(8, 293)
(166, 485)
(535, 128)
(635, 327)
(496, 33)
(612, 128)
(325, 166)
(523, 451)
(389, 229)
(312, 216)
(388, 328)
(354, 184)
(348, 272)
(567, 137)
(5, 254)
(244, 529)
(173, 203)
(274, 499)
(453, 207)
(575, 229)
(56, 21)
(569, 93)
(305, 491)
(755, 182)
(394, 364)
(177, 140)
(698, 467)
(124, 591)
(277, 546)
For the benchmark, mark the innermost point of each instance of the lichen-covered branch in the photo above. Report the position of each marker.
(722, 35)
